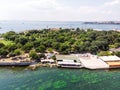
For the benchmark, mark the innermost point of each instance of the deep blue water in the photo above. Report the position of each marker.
(28, 25)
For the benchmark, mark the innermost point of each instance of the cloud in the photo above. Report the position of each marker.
(107, 11)
(113, 2)
(47, 10)
(27, 9)
(43, 4)
(111, 9)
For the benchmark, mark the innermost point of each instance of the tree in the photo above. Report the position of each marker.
(104, 53)
(93, 49)
(19, 45)
(17, 52)
(33, 55)
(78, 29)
(22, 40)
(61, 39)
(40, 49)
(42, 55)
(54, 57)
(55, 45)
(3, 52)
(11, 35)
(10, 47)
(101, 45)
(78, 47)
(1, 45)
(27, 47)
(64, 41)
(117, 45)
(50, 50)
(36, 43)
(12, 54)
(117, 54)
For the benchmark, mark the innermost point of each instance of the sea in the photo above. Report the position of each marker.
(19, 26)
(21, 78)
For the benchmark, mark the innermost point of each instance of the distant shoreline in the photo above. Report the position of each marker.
(104, 22)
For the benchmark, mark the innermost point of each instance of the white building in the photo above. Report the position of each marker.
(110, 58)
(112, 61)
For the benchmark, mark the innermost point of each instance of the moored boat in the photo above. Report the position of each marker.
(69, 64)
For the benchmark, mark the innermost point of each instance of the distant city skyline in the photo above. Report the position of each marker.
(60, 10)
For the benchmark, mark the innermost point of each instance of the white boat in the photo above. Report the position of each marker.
(69, 64)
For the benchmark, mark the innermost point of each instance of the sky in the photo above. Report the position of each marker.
(60, 10)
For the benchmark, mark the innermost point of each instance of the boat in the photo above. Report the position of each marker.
(69, 63)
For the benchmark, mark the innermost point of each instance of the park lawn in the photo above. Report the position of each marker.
(6, 42)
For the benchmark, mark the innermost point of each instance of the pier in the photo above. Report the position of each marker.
(92, 62)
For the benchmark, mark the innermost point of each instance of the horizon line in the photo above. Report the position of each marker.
(66, 20)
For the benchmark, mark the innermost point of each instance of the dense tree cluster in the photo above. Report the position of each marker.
(65, 41)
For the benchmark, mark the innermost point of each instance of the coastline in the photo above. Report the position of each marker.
(87, 61)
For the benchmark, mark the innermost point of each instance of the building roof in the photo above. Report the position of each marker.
(109, 58)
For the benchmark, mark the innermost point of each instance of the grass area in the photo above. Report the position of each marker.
(67, 57)
(6, 42)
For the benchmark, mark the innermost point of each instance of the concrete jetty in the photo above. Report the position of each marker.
(92, 62)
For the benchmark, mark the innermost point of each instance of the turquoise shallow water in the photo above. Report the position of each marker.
(58, 79)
